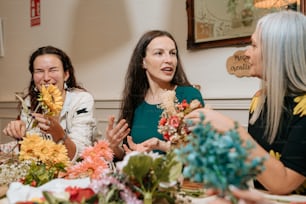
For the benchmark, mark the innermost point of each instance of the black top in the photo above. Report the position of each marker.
(290, 141)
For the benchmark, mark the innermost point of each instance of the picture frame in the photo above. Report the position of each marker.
(1, 39)
(211, 23)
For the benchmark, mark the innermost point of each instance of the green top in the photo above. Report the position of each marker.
(146, 115)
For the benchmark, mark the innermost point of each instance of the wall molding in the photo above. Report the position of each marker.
(236, 108)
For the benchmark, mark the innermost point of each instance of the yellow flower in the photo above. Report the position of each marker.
(59, 154)
(27, 146)
(276, 155)
(254, 102)
(52, 100)
(300, 107)
(44, 151)
(34, 147)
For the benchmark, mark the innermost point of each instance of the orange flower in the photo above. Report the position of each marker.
(95, 161)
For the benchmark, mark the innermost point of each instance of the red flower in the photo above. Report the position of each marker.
(79, 194)
(162, 121)
(166, 136)
(174, 121)
(182, 106)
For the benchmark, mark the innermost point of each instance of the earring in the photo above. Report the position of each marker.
(65, 85)
(35, 89)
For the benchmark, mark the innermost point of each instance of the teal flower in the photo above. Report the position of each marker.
(218, 160)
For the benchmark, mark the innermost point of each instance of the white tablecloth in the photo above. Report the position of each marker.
(26, 192)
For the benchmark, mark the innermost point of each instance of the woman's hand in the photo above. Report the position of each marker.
(146, 146)
(244, 196)
(133, 146)
(15, 129)
(219, 121)
(49, 125)
(115, 135)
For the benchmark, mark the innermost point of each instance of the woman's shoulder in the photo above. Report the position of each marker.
(79, 92)
(187, 88)
(75, 94)
(258, 93)
(189, 93)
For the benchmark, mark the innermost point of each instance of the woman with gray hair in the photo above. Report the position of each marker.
(277, 122)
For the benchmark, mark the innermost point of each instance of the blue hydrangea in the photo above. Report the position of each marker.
(218, 160)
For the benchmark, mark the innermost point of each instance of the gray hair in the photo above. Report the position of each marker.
(282, 36)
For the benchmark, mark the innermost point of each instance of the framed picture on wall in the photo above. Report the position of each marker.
(224, 23)
(1, 39)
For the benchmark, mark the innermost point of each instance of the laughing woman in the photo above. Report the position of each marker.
(75, 125)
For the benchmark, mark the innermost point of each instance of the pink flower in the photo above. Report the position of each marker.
(174, 121)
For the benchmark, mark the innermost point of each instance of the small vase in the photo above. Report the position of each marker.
(147, 198)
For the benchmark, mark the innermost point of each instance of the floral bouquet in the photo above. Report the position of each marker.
(151, 176)
(94, 162)
(38, 160)
(48, 159)
(218, 160)
(140, 178)
(171, 125)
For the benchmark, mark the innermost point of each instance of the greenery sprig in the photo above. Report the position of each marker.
(147, 172)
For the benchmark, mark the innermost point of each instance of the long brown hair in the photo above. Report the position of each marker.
(136, 81)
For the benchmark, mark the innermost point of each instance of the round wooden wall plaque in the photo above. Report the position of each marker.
(238, 64)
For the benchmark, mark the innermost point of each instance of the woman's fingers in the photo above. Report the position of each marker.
(135, 147)
(48, 124)
(126, 149)
(44, 123)
(111, 120)
(15, 129)
(250, 196)
(219, 121)
(118, 133)
(151, 144)
(194, 114)
(131, 144)
(121, 129)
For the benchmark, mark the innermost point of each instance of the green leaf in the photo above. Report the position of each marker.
(138, 166)
(24, 105)
(176, 171)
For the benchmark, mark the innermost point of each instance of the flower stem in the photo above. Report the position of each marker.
(38, 105)
(147, 198)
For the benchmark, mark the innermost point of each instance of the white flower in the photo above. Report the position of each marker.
(168, 101)
(120, 165)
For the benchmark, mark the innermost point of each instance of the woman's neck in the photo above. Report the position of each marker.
(153, 95)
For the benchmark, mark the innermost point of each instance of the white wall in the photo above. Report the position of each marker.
(100, 35)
